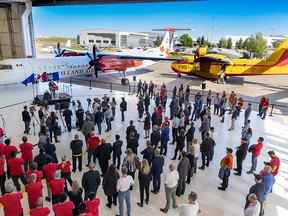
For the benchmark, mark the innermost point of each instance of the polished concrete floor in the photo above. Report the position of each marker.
(212, 202)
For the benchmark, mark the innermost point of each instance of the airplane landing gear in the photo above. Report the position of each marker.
(222, 78)
(124, 80)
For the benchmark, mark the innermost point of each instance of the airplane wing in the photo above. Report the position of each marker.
(138, 57)
(214, 58)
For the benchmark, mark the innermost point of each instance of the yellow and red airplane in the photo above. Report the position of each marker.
(212, 66)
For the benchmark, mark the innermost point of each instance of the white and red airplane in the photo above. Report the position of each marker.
(24, 69)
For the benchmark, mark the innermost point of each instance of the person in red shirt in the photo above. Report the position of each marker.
(49, 172)
(226, 164)
(11, 201)
(2, 147)
(16, 170)
(65, 167)
(256, 151)
(9, 149)
(34, 190)
(26, 151)
(92, 142)
(1, 135)
(262, 100)
(64, 207)
(264, 108)
(40, 210)
(2, 174)
(92, 205)
(34, 170)
(57, 187)
(275, 163)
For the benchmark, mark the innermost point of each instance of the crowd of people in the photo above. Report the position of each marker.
(121, 163)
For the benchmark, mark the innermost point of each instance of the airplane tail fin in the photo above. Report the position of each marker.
(167, 44)
(280, 56)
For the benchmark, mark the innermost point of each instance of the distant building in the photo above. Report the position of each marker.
(104, 38)
(270, 39)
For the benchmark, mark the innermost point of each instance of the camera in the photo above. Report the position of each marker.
(32, 109)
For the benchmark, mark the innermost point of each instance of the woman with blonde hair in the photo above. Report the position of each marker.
(144, 177)
(130, 162)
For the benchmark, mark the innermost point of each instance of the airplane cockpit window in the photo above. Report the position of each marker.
(5, 67)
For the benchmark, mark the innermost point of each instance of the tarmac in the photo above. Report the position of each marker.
(250, 88)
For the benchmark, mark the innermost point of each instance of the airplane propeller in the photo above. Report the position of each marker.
(94, 60)
(58, 51)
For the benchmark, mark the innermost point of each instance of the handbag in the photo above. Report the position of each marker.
(251, 148)
(221, 173)
(58, 130)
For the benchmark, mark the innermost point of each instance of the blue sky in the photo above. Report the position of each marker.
(213, 18)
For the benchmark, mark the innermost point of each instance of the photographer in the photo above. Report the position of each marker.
(67, 113)
(52, 124)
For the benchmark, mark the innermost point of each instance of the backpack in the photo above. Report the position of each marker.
(133, 134)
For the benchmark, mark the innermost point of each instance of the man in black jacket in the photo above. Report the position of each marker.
(123, 108)
(206, 148)
(91, 180)
(98, 118)
(67, 113)
(156, 170)
(117, 151)
(41, 159)
(50, 149)
(76, 146)
(148, 152)
(183, 168)
(155, 137)
(132, 137)
(190, 135)
(104, 151)
(240, 156)
(259, 190)
(26, 119)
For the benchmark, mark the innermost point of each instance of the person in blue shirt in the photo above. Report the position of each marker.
(267, 178)
(164, 139)
(197, 107)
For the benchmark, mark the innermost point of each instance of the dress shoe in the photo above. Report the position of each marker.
(221, 188)
(202, 167)
(237, 174)
(163, 210)
(139, 204)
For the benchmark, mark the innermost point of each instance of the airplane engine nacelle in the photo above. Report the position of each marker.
(201, 51)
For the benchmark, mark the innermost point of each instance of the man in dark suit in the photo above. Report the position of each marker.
(26, 119)
(91, 180)
(104, 151)
(117, 150)
(206, 149)
(156, 170)
(148, 152)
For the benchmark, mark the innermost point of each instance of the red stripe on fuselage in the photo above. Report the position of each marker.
(283, 60)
